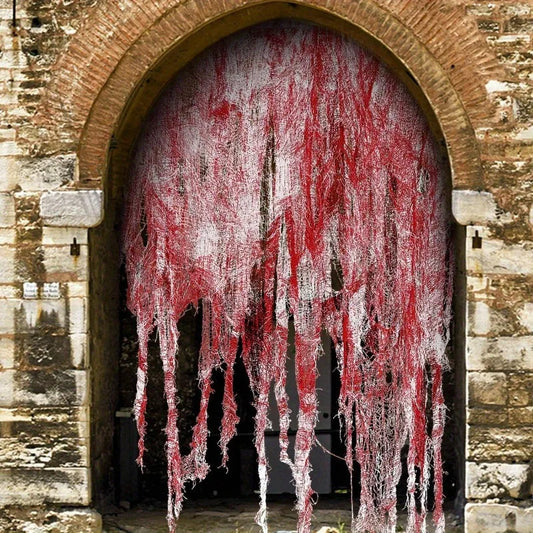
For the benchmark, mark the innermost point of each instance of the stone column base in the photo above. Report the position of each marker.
(498, 518)
(50, 520)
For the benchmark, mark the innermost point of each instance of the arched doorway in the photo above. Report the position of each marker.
(422, 176)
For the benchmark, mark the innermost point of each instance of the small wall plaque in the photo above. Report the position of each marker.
(30, 290)
(51, 291)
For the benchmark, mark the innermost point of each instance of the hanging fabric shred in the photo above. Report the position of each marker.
(288, 175)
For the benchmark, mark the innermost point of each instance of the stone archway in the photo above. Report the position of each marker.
(132, 87)
(116, 159)
(116, 64)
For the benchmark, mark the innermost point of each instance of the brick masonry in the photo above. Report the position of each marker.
(76, 80)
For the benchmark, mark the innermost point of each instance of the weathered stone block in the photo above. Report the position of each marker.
(8, 173)
(523, 107)
(497, 257)
(517, 24)
(516, 9)
(521, 389)
(46, 520)
(489, 26)
(43, 351)
(77, 319)
(9, 148)
(520, 416)
(39, 451)
(498, 480)
(479, 319)
(501, 353)
(526, 316)
(7, 210)
(7, 236)
(525, 134)
(31, 316)
(491, 416)
(47, 172)
(7, 264)
(7, 353)
(55, 422)
(492, 321)
(489, 388)
(78, 347)
(62, 266)
(499, 444)
(43, 388)
(496, 518)
(68, 486)
(81, 209)
(480, 10)
(78, 289)
(497, 86)
(57, 236)
(476, 207)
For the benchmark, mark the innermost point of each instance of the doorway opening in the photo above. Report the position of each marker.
(241, 480)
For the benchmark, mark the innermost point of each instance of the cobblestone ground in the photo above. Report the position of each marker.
(237, 516)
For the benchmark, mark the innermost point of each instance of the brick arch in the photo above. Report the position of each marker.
(117, 63)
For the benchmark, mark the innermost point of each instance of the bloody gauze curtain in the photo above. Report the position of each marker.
(286, 173)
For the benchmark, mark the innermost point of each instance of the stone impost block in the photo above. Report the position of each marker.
(497, 518)
(476, 208)
(497, 480)
(81, 209)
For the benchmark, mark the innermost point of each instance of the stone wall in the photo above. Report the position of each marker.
(76, 80)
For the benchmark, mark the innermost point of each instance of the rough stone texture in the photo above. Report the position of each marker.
(476, 208)
(487, 442)
(500, 353)
(43, 520)
(71, 208)
(497, 518)
(47, 172)
(487, 388)
(76, 80)
(31, 486)
(495, 480)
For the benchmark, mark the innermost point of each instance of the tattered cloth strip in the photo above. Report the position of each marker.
(287, 173)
